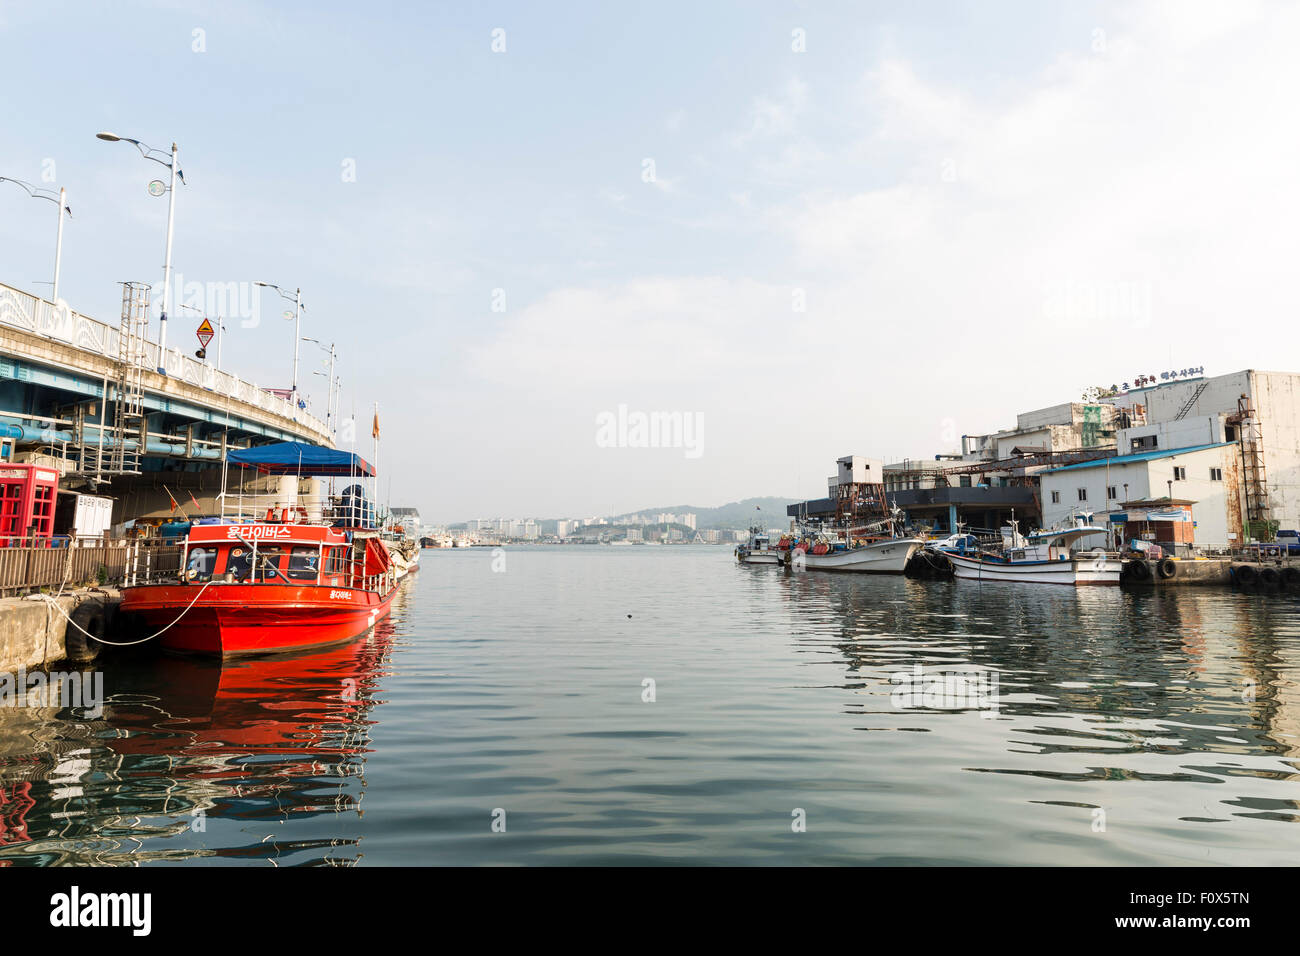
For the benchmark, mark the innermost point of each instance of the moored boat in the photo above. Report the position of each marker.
(758, 549)
(281, 583)
(869, 556)
(1042, 557)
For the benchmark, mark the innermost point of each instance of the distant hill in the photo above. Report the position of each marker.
(737, 515)
(734, 516)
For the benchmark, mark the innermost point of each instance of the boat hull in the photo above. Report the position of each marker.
(881, 557)
(231, 620)
(759, 557)
(1074, 572)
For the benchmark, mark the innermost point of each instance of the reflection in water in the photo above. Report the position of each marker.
(192, 759)
(1094, 684)
(1105, 727)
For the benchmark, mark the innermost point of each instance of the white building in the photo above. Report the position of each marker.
(1206, 475)
(1067, 427)
(1198, 411)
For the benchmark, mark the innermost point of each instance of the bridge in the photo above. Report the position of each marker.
(85, 396)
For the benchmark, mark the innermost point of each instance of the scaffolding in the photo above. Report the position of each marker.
(858, 504)
(115, 443)
(1254, 481)
(128, 406)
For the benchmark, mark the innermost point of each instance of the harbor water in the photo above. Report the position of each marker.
(643, 705)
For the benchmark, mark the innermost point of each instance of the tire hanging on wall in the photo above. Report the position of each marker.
(1141, 571)
(1167, 568)
(93, 618)
(1244, 575)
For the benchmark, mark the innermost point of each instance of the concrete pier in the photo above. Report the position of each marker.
(33, 633)
(1186, 572)
(1265, 576)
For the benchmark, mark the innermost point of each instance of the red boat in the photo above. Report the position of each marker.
(277, 585)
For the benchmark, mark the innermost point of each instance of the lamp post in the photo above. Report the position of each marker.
(61, 200)
(173, 165)
(298, 307)
(329, 403)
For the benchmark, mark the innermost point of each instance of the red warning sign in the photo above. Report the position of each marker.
(204, 333)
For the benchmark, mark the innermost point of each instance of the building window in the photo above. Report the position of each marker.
(1056, 497)
(1216, 474)
(1147, 441)
(1180, 474)
(1083, 494)
(963, 481)
(1110, 492)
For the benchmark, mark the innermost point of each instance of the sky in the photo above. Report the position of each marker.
(752, 236)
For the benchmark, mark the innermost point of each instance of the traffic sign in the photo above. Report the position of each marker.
(205, 333)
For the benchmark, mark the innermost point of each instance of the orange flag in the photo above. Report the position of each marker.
(374, 429)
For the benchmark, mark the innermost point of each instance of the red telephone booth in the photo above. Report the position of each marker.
(27, 494)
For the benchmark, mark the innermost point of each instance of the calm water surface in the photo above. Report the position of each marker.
(1098, 727)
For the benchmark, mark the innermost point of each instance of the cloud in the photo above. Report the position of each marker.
(965, 257)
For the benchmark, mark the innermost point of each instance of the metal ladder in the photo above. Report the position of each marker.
(128, 411)
(1187, 405)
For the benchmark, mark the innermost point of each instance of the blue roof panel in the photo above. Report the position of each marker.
(1142, 456)
(299, 458)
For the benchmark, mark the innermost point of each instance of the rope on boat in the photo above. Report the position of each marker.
(55, 604)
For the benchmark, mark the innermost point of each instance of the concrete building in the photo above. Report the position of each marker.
(1058, 428)
(1191, 412)
(1201, 478)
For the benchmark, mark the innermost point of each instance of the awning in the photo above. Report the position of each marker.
(299, 458)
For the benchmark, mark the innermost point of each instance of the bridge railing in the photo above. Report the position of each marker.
(25, 311)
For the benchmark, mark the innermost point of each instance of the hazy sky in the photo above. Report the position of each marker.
(805, 229)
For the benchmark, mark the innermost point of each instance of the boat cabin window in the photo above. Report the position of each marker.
(304, 563)
(336, 559)
(200, 564)
(268, 564)
(239, 562)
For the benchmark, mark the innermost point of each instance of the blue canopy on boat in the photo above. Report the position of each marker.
(299, 458)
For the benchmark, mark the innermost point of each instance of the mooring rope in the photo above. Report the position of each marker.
(52, 602)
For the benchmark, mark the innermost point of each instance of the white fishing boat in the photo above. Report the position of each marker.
(883, 556)
(758, 549)
(1043, 557)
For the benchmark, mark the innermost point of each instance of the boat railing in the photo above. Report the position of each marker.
(272, 507)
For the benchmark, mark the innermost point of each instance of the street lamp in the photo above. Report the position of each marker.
(296, 299)
(173, 164)
(61, 200)
(329, 404)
